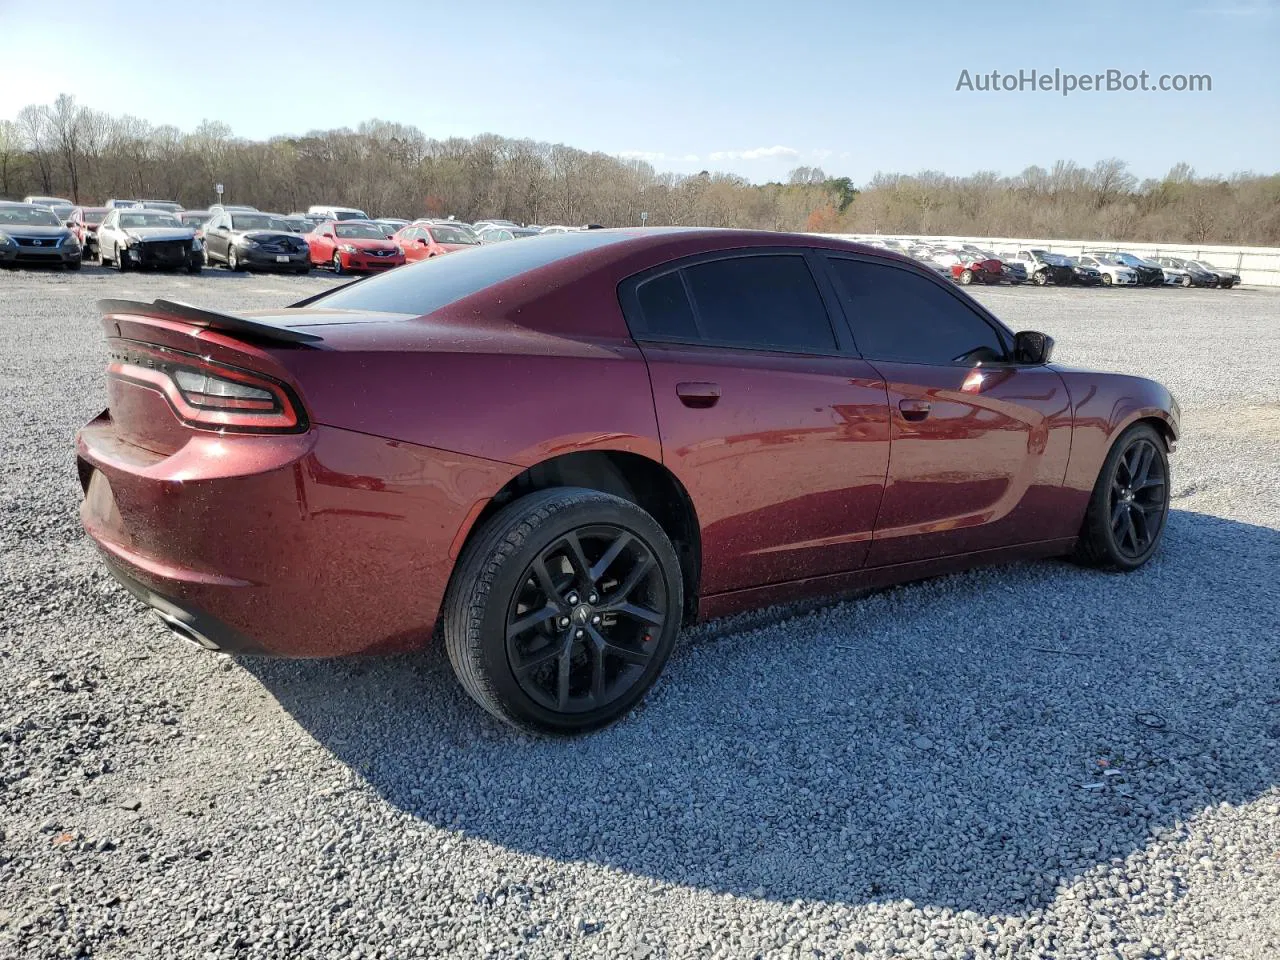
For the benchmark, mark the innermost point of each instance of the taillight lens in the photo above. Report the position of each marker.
(207, 394)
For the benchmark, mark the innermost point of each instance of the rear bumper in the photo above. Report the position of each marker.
(320, 544)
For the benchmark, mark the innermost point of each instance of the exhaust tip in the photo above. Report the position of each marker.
(185, 630)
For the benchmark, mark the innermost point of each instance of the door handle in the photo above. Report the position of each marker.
(698, 395)
(914, 409)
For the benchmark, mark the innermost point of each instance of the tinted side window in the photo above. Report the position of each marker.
(665, 309)
(764, 301)
(898, 315)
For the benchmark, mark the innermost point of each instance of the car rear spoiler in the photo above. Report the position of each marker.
(209, 319)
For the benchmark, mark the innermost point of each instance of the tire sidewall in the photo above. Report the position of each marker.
(592, 508)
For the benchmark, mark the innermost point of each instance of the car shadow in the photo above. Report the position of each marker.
(970, 742)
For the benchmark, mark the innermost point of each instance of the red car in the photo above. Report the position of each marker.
(421, 241)
(563, 450)
(353, 246)
(84, 223)
(977, 268)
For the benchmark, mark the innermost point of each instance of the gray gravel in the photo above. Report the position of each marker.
(1036, 761)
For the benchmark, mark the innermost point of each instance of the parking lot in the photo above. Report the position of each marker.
(1029, 761)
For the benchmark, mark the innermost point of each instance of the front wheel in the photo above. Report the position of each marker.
(73, 264)
(337, 263)
(1185, 281)
(233, 260)
(1106, 279)
(1130, 502)
(121, 258)
(563, 610)
(1040, 278)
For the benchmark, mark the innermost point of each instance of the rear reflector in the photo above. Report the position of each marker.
(209, 395)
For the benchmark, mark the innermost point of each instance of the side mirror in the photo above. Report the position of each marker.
(1032, 347)
(422, 241)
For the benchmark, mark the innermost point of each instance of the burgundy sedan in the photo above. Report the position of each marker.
(562, 450)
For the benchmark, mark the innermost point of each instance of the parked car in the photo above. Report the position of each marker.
(134, 237)
(486, 224)
(558, 228)
(121, 204)
(501, 234)
(1042, 267)
(1084, 275)
(1149, 274)
(172, 206)
(1174, 276)
(195, 219)
(1226, 278)
(353, 246)
(232, 208)
(391, 224)
(84, 223)
(298, 224)
(48, 201)
(973, 267)
(421, 241)
(1192, 275)
(725, 446)
(244, 240)
(31, 233)
(1113, 272)
(337, 213)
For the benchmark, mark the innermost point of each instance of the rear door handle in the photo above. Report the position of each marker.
(914, 409)
(698, 395)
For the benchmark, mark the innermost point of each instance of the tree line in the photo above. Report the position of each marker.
(391, 169)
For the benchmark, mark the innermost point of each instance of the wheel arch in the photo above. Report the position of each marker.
(631, 476)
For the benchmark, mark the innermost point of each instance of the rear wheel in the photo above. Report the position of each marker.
(1106, 279)
(1130, 502)
(563, 610)
(966, 277)
(1185, 281)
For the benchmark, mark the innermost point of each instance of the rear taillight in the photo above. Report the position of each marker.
(207, 394)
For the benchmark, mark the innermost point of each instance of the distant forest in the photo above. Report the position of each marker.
(390, 169)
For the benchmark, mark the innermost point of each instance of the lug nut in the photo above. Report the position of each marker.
(572, 598)
(592, 599)
(580, 634)
(595, 619)
(564, 621)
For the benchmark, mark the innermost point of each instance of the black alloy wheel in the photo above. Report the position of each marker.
(582, 626)
(1130, 502)
(563, 609)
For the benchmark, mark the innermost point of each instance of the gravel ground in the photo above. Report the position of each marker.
(1035, 761)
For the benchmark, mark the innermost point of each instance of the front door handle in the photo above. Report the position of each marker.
(914, 409)
(698, 395)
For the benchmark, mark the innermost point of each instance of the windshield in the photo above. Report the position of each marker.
(452, 235)
(196, 219)
(95, 214)
(257, 221)
(359, 231)
(28, 217)
(349, 215)
(148, 218)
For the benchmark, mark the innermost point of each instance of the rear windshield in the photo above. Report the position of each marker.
(428, 285)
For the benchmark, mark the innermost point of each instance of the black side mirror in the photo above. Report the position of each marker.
(1032, 347)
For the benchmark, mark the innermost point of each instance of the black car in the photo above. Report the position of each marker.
(1198, 275)
(1226, 278)
(255, 241)
(1082, 274)
(30, 233)
(134, 237)
(1052, 268)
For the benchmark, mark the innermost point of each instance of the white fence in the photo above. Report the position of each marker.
(1258, 266)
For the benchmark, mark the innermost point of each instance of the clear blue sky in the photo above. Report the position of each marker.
(755, 88)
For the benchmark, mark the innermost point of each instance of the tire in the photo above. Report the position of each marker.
(966, 277)
(1040, 278)
(121, 261)
(337, 263)
(496, 587)
(303, 271)
(1106, 279)
(204, 255)
(1185, 281)
(73, 264)
(233, 262)
(195, 269)
(1125, 521)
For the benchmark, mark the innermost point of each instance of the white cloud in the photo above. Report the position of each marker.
(757, 153)
(645, 155)
(690, 158)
